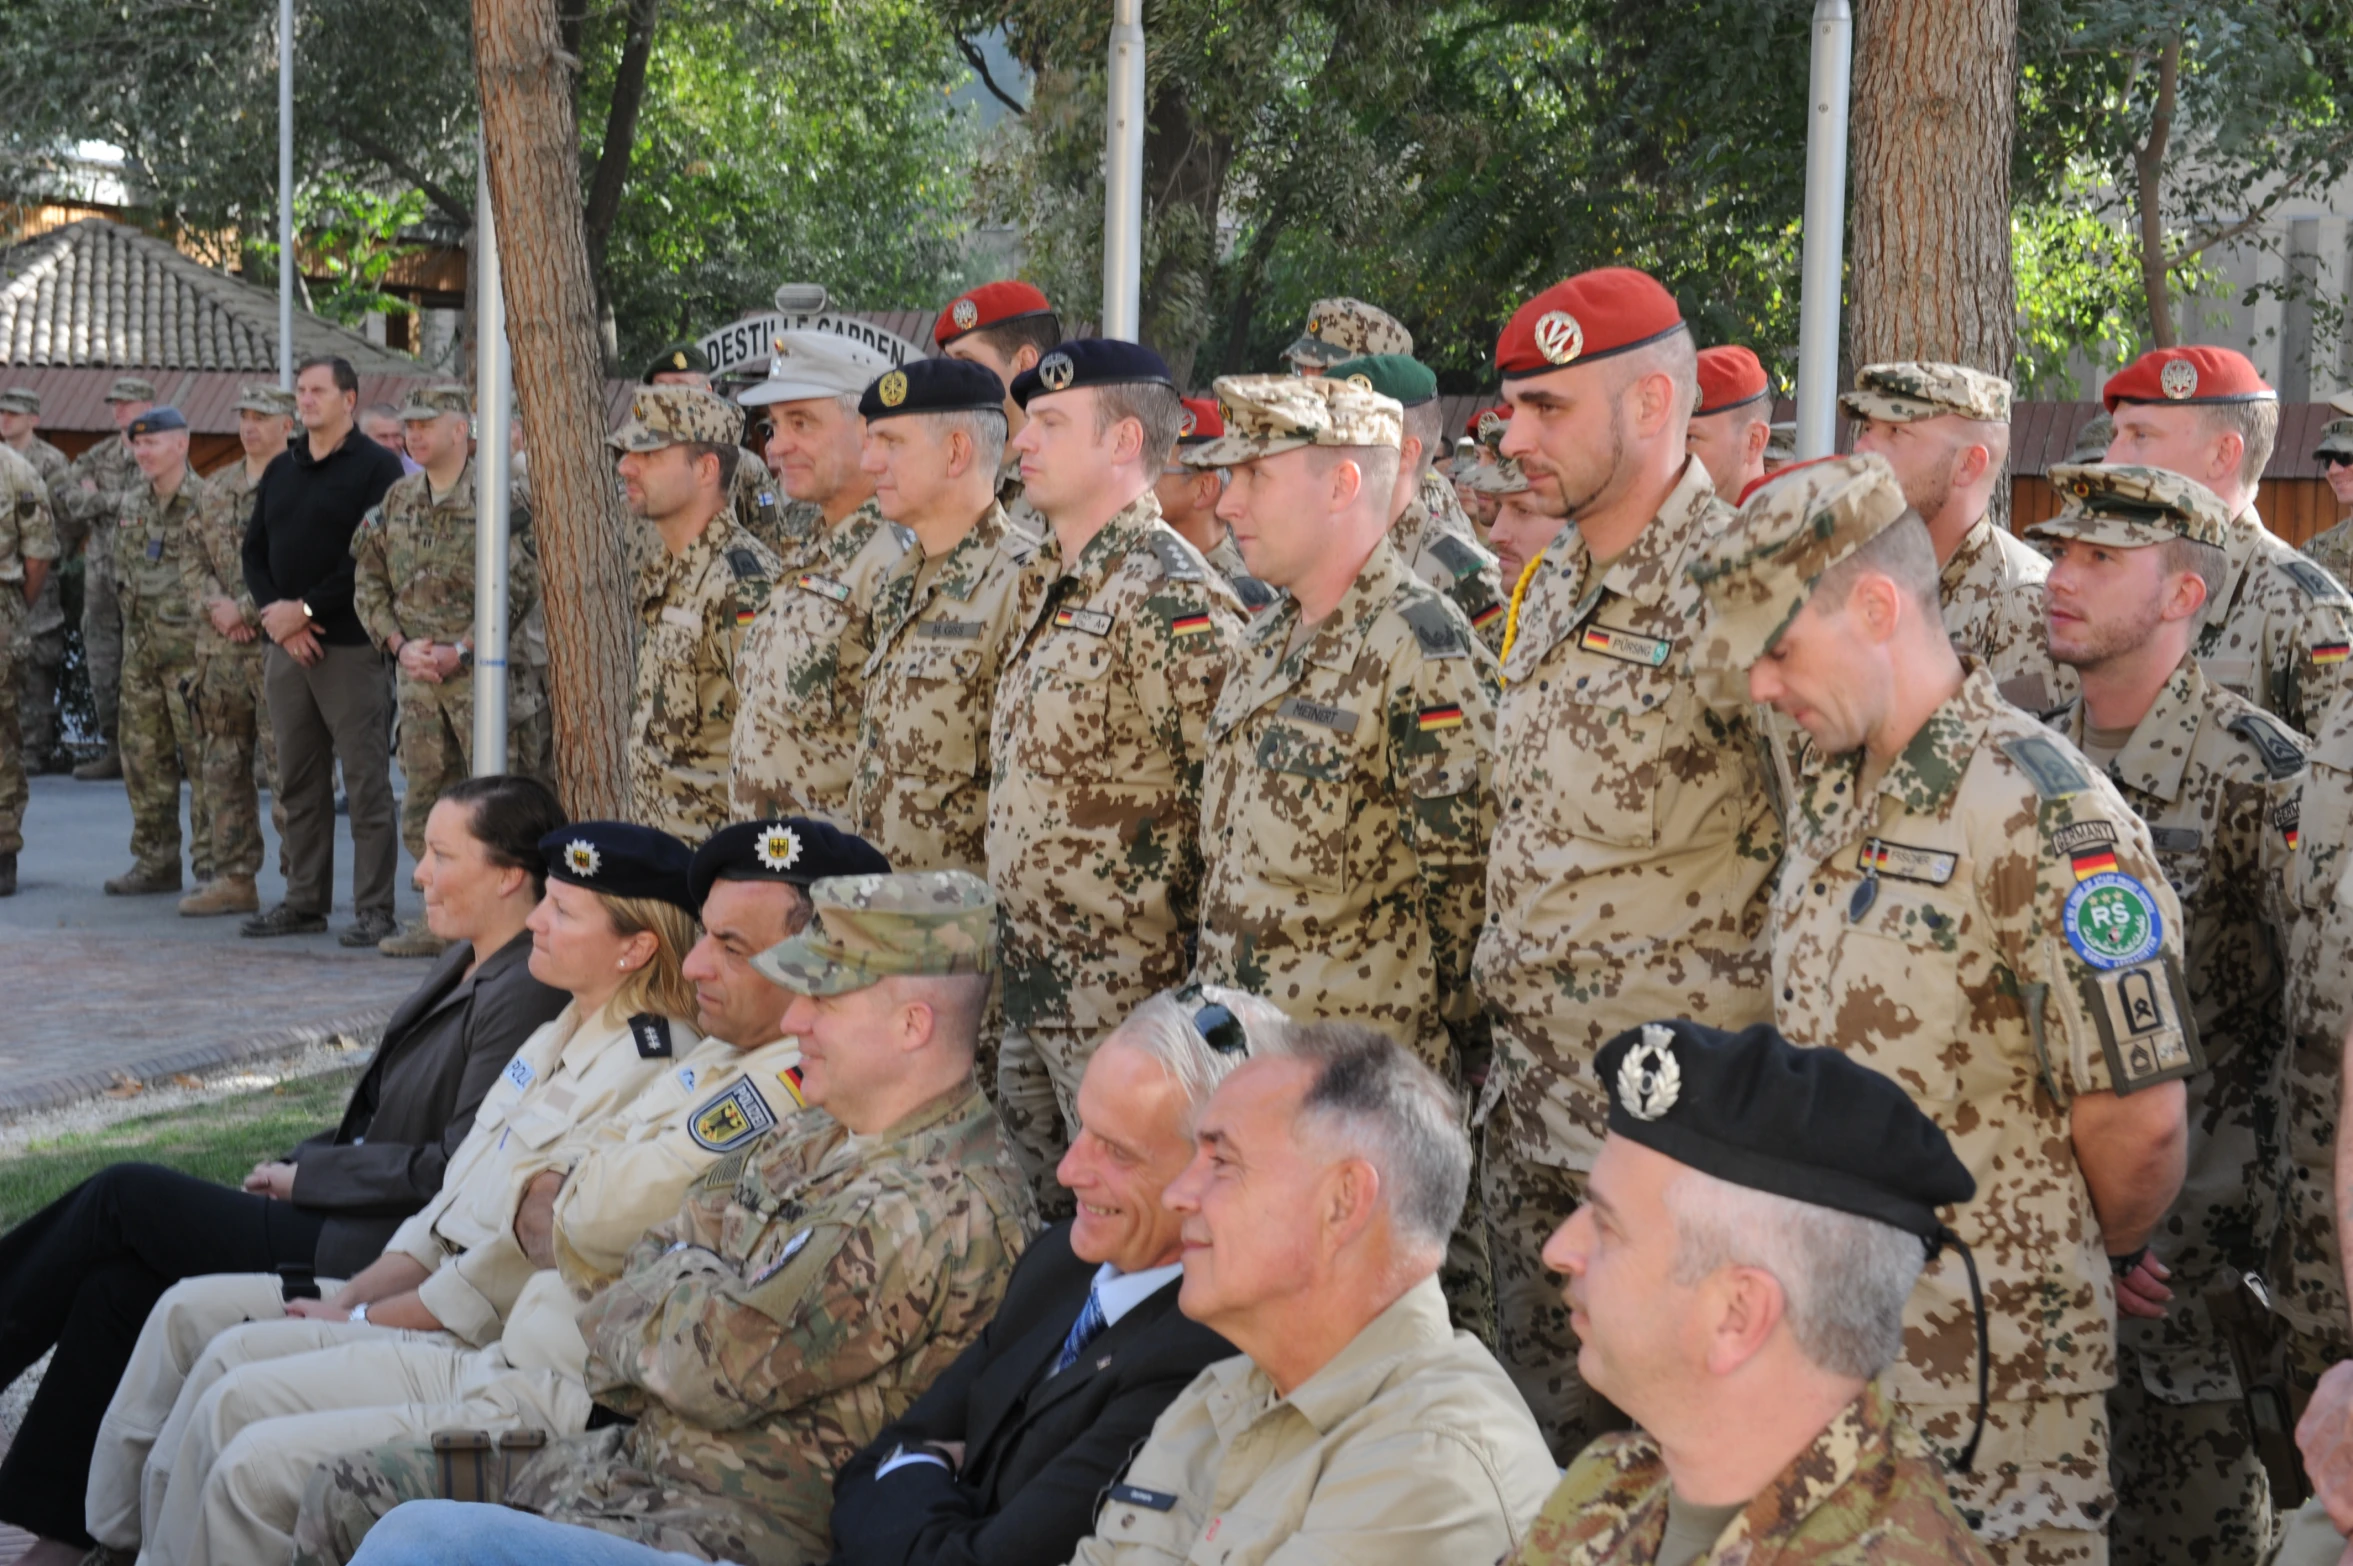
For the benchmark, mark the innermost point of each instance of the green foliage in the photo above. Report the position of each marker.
(2079, 291)
(353, 237)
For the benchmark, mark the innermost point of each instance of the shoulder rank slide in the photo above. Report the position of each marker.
(2283, 753)
(744, 564)
(1433, 628)
(1176, 561)
(2314, 580)
(2047, 766)
(1460, 557)
(651, 1031)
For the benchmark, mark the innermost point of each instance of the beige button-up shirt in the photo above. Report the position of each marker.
(1410, 1446)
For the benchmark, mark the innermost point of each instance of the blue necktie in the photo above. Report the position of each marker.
(1085, 1330)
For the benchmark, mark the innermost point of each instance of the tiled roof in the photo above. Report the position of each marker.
(99, 295)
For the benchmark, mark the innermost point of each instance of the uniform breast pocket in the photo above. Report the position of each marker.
(936, 734)
(1305, 785)
(2321, 819)
(1070, 733)
(1602, 760)
(537, 1126)
(670, 653)
(1900, 989)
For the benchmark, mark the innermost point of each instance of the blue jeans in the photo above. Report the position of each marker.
(461, 1533)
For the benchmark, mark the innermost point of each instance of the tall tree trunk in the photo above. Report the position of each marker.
(1935, 112)
(2148, 168)
(534, 155)
(612, 162)
(1184, 182)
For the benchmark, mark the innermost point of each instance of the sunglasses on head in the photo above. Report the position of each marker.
(1221, 1030)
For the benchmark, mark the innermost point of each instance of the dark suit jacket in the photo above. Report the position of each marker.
(443, 1048)
(1038, 1453)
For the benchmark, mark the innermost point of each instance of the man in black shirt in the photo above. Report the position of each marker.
(328, 694)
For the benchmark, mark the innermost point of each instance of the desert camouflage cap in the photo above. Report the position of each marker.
(1799, 523)
(130, 388)
(1900, 393)
(1340, 329)
(1266, 414)
(2093, 440)
(670, 415)
(2131, 507)
(2336, 436)
(432, 402)
(20, 399)
(867, 928)
(274, 402)
(1781, 442)
(1502, 476)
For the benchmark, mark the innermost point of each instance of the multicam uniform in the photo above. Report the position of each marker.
(803, 668)
(1438, 545)
(40, 643)
(26, 533)
(110, 467)
(232, 715)
(1627, 881)
(155, 548)
(693, 609)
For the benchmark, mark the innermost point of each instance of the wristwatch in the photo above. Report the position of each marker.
(307, 612)
(2120, 1265)
(359, 1313)
(465, 656)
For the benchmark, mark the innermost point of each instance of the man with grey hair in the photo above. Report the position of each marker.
(804, 665)
(1756, 1220)
(1354, 1426)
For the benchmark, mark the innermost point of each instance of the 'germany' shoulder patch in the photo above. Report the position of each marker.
(1176, 561)
(1460, 557)
(2315, 581)
(1433, 628)
(731, 1119)
(2047, 766)
(744, 564)
(2283, 753)
(651, 1031)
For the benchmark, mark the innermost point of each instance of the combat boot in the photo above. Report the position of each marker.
(140, 881)
(415, 939)
(7, 875)
(231, 894)
(103, 767)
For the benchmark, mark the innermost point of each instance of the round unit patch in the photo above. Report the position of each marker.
(2112, 921)
(891, 389)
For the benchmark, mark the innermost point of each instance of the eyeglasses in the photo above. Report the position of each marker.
(1221, 1030)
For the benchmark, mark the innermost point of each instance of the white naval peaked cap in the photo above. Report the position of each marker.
(815, 364)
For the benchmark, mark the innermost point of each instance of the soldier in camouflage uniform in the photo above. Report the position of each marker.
(2092, 441)
(942, 619)
(28, 548)
(1344, 328)
(155, 544)
(232, 714)
(2333, 546)
(694, 598)
(100, 483)
(2024, 984)
(1004, 327)
(1730, 425)
(1627, 878)
(2279, 629)
(1780, 446)
(40, 649)
(1096, 738)
(813, 1282)
(751, 493)
(1188, 499)
(1817, 1178)
(1427, 526)
(413, 588)
(804, 666)
(2207, 771)
(1945, 429)
(1346, 800)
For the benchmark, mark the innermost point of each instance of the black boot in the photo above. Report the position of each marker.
(7, 875)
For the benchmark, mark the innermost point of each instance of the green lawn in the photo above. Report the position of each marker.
(220, 1141)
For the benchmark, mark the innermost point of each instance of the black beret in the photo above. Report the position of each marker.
(793, 849)
(619, 859)
(1809, 1124)
(932, 386)
(1092, 361)
(677, 358)
(155, 421)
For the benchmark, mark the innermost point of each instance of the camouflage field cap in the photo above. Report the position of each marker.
(1267, 414)
(273, 402)
(2336, 436)
(1781, 442)
(130, 388)
(872, 927)
(2131, 507)
(20, 399)
(669, 415)
(1502, 476)
(1903, 392)
(2093, 440)
(1340, 329)
(1799, 523)
(432, 402)
(1391, 374)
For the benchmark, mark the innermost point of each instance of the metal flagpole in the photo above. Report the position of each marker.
(1123, 174)
(1823, 268)
(493, 395)
(286, 258)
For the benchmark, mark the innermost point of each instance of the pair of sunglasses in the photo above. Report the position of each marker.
(1221, 1030)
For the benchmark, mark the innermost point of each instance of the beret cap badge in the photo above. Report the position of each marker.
(2179, 379)
(581, 857)
(678, 361)
(1649, 1080)
(892, 389)
(1056, 372)
(965, 314)
(1560, 337)
(779, 846)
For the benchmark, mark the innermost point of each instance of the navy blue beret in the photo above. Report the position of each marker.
(793, 849)
(619, 859)
(155, 421)
(1092, 361)
(932, 386)
(1809, 1124)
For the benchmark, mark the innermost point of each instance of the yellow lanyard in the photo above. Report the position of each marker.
(1511, 621)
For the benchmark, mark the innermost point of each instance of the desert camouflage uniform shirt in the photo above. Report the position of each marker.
(1095, 748)
(761, 505)
(1866, 1493)
(1438, 545)
(803, 672)
(921, 789)
(2333, 548)
(1990, 927)
(1992, 591)
(810, 1286)
(692, 609)
(1345, 811)
(414, 575)
(2280, 631)
(1628, 877)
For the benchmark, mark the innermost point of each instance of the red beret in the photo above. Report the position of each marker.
(1728, 377)
(987, 305)
(1487, 423)
(1202, 421)
(1589, 316)
(2187, 375)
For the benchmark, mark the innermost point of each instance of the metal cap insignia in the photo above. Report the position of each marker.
(2179, 379)
(1559, 337)
(1649, 1080)
(1056, 372)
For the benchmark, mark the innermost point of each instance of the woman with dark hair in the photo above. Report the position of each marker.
(83, 1273)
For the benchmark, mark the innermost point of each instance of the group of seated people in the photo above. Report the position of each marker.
(645, 1242)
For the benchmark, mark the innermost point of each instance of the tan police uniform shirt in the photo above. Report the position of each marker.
(1409, 1447)
(1628, 877)
(1990, 927)
(1346, 806)
(692, 609)
(803, 672)
(2280, 631)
